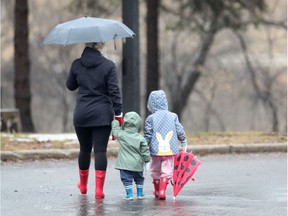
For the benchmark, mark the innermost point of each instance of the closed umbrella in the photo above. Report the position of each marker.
(87, 29)
(185, 165)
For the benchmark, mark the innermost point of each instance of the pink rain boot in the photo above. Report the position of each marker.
(162, 188)
(82, 185)
(156, 187)
(100, 179)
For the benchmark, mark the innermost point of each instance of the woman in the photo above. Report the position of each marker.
(98, 101)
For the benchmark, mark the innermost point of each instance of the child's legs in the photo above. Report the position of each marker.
(167, 168)
(126, 177)
(138, 178)
(155, 168)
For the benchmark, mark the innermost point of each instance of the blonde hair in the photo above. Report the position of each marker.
(95, 45)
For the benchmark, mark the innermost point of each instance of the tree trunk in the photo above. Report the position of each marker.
(22, 65)
(130, 62)
(264, 95)
(152, 74)
(187, 85)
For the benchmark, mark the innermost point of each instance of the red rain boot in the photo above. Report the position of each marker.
(162, 188)
(82, 185)
(156, 187)
(100, 179)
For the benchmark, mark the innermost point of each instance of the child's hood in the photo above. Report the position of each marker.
(157, 101)
(132, 122)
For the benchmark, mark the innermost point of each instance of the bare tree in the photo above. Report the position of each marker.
(207, 18)
(22, 65)
(262, 87)
(209, 110)
(94, 8)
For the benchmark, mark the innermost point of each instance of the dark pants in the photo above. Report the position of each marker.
(128, 176)
(96, 138)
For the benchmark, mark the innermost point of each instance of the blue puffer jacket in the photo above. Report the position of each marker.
(163, 131)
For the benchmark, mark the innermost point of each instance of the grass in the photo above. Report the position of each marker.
(17, 141)
(235, 137)
(12, 142)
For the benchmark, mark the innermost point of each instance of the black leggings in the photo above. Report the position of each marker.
(96, 137)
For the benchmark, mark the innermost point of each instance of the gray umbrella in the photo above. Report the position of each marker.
(87, 29)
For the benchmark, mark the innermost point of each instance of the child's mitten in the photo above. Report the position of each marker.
(119, 119)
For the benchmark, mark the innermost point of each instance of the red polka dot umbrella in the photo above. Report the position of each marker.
(185, 165)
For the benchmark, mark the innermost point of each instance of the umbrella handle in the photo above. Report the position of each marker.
(114, 38)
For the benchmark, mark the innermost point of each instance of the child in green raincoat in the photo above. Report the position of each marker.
(133, 153)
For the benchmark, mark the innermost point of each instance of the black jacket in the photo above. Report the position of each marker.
(98, 98)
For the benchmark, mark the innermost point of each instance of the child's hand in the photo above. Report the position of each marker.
(147, 166)
(184, 145)
(119, 118)
(185, 149)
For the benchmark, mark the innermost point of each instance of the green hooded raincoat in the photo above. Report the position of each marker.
(134, 150)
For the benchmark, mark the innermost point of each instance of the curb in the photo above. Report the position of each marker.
(238, 148)
(113, 151)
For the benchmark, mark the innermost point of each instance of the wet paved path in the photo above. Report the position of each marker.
(247, 184)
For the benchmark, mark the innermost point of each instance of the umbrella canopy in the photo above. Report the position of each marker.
(185, 165)
(87, 29)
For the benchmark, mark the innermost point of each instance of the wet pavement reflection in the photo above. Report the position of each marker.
(87, 205)
(237, 185)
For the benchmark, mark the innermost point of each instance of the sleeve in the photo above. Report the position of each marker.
(144, 149)
(148, 130)
(180, 132)
(114, 90)
(115, 128)
(71, 82)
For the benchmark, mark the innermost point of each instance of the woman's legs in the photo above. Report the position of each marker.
(85, 139)
(100, 142)
(96, 137)
(84, 135)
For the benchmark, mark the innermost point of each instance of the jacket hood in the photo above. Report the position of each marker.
(91, 57)
(132, 122)
(157, 101)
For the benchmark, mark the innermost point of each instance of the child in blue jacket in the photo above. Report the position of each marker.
(163, 132)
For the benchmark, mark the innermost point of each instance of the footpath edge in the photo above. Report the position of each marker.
(41, 154)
